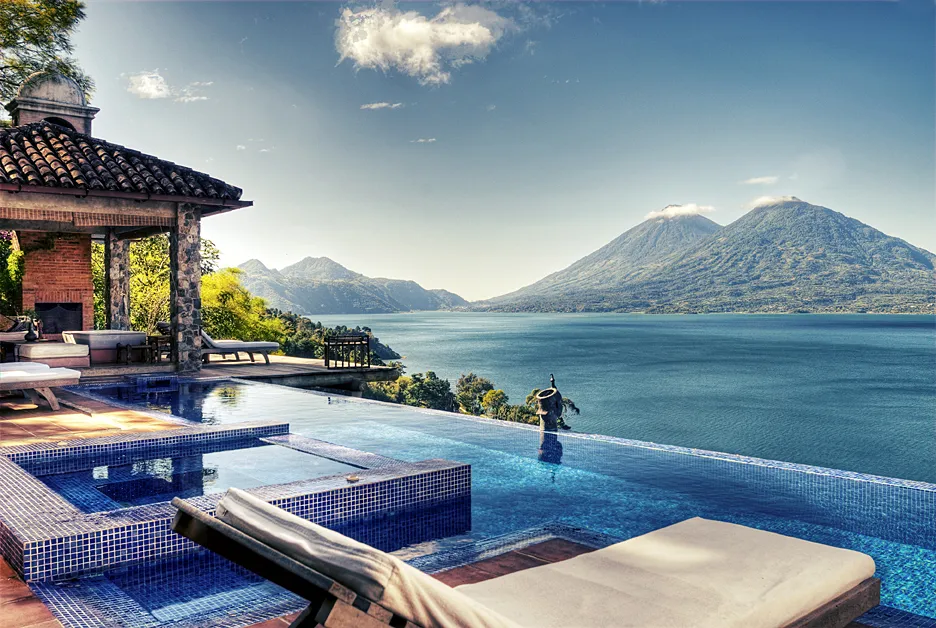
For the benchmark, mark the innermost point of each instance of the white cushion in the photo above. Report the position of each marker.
(697, 573)
(377, 576)
(241, 345)
(51, 350)
(31, 378)
(105, 338)
(22, 366)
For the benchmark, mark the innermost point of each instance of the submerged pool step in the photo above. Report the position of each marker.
(159, 383)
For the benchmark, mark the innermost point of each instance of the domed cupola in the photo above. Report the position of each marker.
(52, 97)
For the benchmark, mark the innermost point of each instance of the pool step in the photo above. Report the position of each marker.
(154, 383)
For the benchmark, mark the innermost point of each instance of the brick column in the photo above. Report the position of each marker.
(185, 285)
(117, 281)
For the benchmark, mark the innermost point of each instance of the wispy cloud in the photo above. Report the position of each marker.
(491, 107)
(426, 48)
(760, 181)
(149, 85)
(672, 211)
(771, 200)
(423, 140)
(153, 85)
(241, 147)
(382, 105)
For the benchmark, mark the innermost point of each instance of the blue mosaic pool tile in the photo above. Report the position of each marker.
(45, 537)
(201, 589)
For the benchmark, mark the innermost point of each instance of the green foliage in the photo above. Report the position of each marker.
(230, 311)
(149, 282)
(429, 391)
(36, 35)
(97, 275)
(469, 391)
(494, 402)
(11, 273)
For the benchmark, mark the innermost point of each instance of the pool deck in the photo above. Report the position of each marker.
(19, 608)
(282, 369)
(24, 423)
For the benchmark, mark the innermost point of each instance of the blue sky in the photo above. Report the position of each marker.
(547, 128)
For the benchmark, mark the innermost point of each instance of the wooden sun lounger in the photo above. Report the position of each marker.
(224, 348)
(332, 604)
(40, 388)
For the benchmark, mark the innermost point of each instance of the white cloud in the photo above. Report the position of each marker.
(426, 48)
(672, 211)
(152, 85)
(423, 140)
(241, 147)
(772, 200)
(491, 107)
(760, 181)
(149, 85)
(382, 105)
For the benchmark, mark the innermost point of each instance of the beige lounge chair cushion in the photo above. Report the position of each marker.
(377, 576)
(694, 574)
(105, 338)
(33, 378)
(46, 350)
(22, 366)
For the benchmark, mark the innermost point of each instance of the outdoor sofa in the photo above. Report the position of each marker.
(36, 380)
(697, 573)
(236, 347)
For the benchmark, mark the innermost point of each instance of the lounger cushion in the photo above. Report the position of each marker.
(23, 366)
(42, 350)
(31, 378)
(375, 575)
(237, 345)
(698, 573)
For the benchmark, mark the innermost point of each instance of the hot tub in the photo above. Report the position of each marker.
(103, 343)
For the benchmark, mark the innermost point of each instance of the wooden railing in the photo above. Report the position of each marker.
(347, 352)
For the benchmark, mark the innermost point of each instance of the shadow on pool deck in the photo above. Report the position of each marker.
(24, 423)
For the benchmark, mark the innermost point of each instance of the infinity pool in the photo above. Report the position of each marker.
(616, 487)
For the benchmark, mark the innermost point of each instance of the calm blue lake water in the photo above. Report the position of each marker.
(851, 392)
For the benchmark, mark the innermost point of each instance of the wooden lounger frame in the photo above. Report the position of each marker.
(331, 605)
(206, 351)
(41, 390)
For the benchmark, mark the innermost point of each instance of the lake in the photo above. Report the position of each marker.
(855, 392)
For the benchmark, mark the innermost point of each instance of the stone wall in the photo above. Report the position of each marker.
(185, 281)
(117, 282)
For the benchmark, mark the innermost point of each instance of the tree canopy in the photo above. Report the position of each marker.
(36, 35)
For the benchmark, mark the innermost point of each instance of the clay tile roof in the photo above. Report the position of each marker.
(47, 155)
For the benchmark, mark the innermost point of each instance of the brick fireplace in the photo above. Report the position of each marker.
(57, 280)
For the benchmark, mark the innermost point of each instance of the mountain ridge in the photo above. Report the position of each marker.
(320, 285)
(785, 255)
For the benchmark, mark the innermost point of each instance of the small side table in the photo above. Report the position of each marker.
(160, 345)
(125, 353)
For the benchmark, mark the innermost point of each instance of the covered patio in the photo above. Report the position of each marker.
(61, 188)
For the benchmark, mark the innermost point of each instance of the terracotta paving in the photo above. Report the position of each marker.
(22, 422)
(19, 608)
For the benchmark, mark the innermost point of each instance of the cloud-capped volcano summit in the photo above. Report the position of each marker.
(784, 255)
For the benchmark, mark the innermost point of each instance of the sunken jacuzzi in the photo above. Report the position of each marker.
(84, 506)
